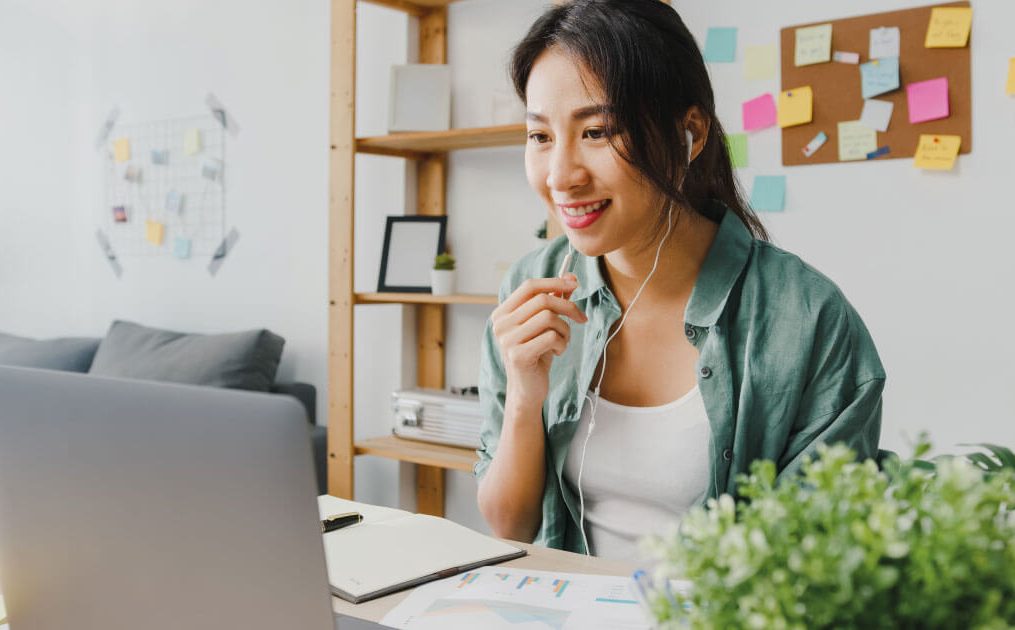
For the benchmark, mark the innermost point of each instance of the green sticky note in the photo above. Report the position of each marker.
(769, 193)
(721, 45)
(736, 145)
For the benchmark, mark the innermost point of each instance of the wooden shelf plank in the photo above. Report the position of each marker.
(423, 298)
(413, 144)
(438, 455)
(412, 7)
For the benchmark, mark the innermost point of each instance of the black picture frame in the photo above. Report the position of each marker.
(422, 257)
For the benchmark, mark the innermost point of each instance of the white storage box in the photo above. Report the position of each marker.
(436, 415)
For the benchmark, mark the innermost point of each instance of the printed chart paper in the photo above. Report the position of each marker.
(494, 598)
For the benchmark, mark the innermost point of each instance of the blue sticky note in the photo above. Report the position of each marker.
(721, 45)
(769, 193)
(879, 76)
(181, 247)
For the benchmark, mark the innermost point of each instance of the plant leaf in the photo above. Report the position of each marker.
(1004, 455)
(983, 462)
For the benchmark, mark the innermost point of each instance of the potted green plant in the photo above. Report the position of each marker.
(442, 276)
(916, 544)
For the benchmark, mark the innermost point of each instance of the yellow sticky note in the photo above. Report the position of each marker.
(121, 149)
(1011, 75)
(192, 141)
(760, 62)
(154, 232)
(796, 106)
(813, 45)
(949, 27)
(937, 153)
(856, 140)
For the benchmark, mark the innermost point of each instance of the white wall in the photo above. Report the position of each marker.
(921, 255)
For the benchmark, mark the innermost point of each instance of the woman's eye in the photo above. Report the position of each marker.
(537, 137)
(596, 134)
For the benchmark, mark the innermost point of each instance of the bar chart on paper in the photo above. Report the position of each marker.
(493, 597)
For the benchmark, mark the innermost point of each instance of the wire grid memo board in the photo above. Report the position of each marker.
(166, 179)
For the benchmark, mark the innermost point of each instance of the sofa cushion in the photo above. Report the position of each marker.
(242, 360)
(73, 354)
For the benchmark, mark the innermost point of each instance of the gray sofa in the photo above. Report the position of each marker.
(243, 360)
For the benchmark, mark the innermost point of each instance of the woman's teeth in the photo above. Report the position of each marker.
(583, 210)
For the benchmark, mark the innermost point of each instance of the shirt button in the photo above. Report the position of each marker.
(727, 455)
(690, 332)
(706, 372)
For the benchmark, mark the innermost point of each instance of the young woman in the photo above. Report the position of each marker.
(636, 365)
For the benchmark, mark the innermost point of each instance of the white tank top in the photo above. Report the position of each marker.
(644, 468)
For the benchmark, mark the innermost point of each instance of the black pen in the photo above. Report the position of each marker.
(338, 521)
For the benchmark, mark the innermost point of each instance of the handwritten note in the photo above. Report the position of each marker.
(154, 232)
(736, 145)
(884, 42)
(813, 45)
(856, 140)
(192, 141)
(796, 106)
(121, 150)
(937, 153)
(949, 27)
(759, 113)
(721, 45)
(928, 100)
(877, 114)
(769, 193)
(1011, 76)
(879, 76)
(760, 62)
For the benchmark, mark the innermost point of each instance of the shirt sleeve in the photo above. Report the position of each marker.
(841, 401)
(492, 391)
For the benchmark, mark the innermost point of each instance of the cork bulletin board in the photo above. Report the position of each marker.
(836, 86)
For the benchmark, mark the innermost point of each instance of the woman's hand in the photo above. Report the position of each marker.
(530, 332)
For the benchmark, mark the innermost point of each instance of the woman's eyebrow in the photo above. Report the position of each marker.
(579, 114)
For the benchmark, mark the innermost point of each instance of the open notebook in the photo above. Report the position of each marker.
(393, 550)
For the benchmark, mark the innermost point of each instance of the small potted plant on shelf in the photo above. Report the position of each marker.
(442, 276)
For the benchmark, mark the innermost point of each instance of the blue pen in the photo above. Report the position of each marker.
(643, 584)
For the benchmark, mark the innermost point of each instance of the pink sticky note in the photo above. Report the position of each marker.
(928, 100)
(759, 113)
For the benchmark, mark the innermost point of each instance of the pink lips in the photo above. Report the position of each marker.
(578, 223)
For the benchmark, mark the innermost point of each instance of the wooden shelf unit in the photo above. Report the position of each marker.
(417, 144)
(416, 452)
(423, 298)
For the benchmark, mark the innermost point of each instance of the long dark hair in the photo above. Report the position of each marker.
(651, 72)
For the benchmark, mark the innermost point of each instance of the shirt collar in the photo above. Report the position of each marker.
(726, 258)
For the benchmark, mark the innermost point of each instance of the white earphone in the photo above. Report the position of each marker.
(593, 403)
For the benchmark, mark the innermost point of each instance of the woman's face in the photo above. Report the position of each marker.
(602, 202)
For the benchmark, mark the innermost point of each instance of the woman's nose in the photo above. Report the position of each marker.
(566, 170)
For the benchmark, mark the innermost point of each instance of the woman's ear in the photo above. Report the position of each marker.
(698, 124)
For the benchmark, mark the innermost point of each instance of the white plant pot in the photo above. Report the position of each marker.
(442, 281)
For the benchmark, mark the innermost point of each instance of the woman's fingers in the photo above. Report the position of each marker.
(535, 286)
(534, 326)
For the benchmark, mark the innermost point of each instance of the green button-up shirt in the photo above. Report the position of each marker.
(785, 362)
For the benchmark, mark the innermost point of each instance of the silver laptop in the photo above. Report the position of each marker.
(130, 504)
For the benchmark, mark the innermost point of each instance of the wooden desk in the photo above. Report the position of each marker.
(539, 558)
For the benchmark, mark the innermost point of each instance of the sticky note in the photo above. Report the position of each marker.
(928, 100)
(816, 143)
(949, 27)
(813, 45)
(879, 76)
(877, 114)
(174, 201)
(192, 141)
(759, 113)
(154, 231)
(769, 193)
(736, 145)
(160, 156)
(884, 42)
(121, 150)
(856, 140)
(120, 214)
(132, 173)
(796, 106)
(760, 62)
(841, 56)
(1011, 76)
(211, 169)
(937, 153)
(181, 247)
(721, 45)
